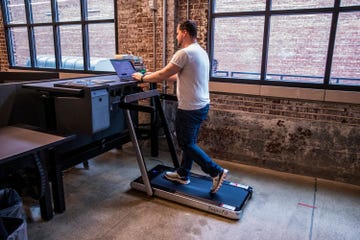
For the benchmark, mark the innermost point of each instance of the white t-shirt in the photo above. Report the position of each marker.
(193, 79)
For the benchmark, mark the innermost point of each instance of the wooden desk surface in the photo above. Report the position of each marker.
(17, 142)
(110, 81)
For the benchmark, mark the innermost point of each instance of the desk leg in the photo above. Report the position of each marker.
(45, 197)
(57, 187)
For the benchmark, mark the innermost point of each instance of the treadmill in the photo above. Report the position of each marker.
(228, 202)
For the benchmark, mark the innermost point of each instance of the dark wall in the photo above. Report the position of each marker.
(19, 105)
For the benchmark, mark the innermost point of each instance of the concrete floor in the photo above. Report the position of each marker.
(101, 205)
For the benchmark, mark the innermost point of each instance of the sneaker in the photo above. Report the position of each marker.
(218, 180)
(174, 176)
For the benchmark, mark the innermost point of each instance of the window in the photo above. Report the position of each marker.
(44, 34)
(248, 33)
(73, 35)
(222, 6)
(305, 43)
(20, 44)
(346, 60)
(297, 48)
(300, 4)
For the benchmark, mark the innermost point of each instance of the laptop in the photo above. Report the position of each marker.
(124, 69)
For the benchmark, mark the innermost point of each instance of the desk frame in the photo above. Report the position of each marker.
(18, 143)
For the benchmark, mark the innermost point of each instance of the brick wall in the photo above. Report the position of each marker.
(3, 51)
(313, 138)
(319, 139)
(304, 137)
(136, 23)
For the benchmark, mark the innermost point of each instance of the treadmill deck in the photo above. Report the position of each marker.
(229, 201)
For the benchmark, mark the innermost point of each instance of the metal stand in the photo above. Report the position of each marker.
(130, 103)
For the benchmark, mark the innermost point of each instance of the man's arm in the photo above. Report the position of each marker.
(167, 73)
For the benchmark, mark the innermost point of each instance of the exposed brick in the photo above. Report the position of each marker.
(313, 138)
(3, 51)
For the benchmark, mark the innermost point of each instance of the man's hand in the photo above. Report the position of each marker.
(137, 76)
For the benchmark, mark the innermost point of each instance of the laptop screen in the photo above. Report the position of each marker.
(123, 68)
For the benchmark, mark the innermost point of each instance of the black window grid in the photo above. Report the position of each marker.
(55, 24)
(267, 13)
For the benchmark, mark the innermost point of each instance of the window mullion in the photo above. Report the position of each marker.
(265, 42)
(85, 34)
(56, 33)
(116, 27)
(334, 21)
(30, 28)
(210, 34)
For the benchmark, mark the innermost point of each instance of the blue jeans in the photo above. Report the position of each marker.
(187, 129)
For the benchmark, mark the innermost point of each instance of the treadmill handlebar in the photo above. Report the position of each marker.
(140, 95)
(136, 107)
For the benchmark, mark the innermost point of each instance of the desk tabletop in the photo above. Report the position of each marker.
(17, 142)
(104, 81)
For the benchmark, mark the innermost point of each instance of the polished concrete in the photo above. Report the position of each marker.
(101, 205)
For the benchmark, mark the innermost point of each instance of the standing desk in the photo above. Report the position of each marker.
(64, 99)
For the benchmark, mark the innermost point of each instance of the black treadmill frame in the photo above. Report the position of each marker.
(144, 182)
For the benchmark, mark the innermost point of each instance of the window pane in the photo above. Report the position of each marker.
(41, 11)
(71, 47)
(20, 46)
(346, 59)
(16, 11)
(100, 9)
(102, 46)
(298, 48)
(69, 10)
(350, 2)
(239, 5)
(298, 4)
(238, 47)
(44, 41)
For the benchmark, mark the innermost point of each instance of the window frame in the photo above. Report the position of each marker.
(55, 24)
(267, 13)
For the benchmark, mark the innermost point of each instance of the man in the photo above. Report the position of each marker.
(190, 68)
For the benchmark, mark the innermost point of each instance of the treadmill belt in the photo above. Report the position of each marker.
(199, 187)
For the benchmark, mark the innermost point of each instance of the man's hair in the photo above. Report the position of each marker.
(190, 27)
